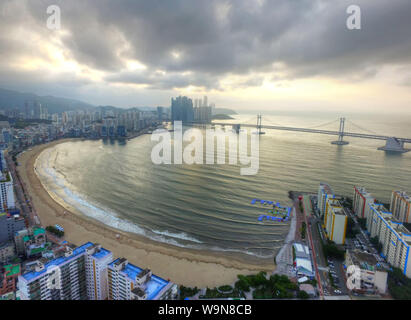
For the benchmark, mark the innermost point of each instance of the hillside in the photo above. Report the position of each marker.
(14, 99)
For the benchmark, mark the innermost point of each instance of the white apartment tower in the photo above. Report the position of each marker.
(394, 237)
(361, 200)
(335, 221)
(400, 206)
(7, 192)
(97, 260)
(128, 282)
(69, 276)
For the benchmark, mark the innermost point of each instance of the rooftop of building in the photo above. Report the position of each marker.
(6, 244)
(56, 262)
(101, 253)
(326, 187)
(37, 231)
(12, 269)
(152, 287)
(380, 208)
(364, 192)
(364, 260)
(336, 207)
(403, 195)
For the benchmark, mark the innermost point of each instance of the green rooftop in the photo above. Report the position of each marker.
(12, 269)
(37, 250)
(38, 231)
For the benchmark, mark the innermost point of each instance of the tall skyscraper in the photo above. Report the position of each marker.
(182, 109)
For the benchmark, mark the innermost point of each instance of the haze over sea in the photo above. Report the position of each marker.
(208, 206)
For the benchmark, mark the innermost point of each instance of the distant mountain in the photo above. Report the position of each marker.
(13, 99)
(223, 111)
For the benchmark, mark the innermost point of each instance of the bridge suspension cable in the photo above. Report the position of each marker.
(324, 124)
(361, 128)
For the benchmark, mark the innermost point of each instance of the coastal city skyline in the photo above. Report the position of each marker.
(137, 63)
(200, 152)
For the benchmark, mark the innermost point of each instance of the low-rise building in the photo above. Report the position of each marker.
(308, 288)
(373, 277)
(302, 260)
(8, 278)
(31, 241)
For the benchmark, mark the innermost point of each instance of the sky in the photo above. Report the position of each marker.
(243, 54)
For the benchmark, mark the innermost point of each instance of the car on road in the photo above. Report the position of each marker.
(337, 291)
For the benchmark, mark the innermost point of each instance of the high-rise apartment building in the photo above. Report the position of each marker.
(335, 221)
(182, 109)
(324, 192)
(361, 200)
(400, 206)
(128, 282)
(394, 237)
(6, 191)
(9, 225)
(76, 274)
(97, 260)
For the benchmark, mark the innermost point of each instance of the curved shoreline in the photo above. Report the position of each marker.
(183, 266)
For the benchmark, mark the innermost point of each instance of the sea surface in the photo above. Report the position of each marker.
(209, 206)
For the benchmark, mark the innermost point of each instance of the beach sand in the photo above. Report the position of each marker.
(183, 266)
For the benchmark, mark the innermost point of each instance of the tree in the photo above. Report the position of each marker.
(302, 295)
(331, 250)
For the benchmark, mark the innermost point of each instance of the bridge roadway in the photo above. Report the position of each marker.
(335, 133)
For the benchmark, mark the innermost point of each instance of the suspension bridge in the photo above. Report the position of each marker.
(392, 144)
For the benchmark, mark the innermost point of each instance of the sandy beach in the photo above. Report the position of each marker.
(182, 266)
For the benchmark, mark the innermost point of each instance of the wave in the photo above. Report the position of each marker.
(182, 235)
(60, 192)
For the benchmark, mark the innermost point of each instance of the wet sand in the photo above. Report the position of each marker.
(183, 266)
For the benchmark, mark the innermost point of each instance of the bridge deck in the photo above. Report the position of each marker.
(335, 133)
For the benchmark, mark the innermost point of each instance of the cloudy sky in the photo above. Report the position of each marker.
(244, 54)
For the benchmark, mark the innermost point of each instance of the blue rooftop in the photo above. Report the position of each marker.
(152, 287)
(58, 261)
(101, 253)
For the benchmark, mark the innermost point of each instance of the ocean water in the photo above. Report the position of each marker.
(209, 206)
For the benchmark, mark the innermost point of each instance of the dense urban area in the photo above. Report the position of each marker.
(338, 247)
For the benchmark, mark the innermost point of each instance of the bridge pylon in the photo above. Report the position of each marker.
(259, 125)
(340, 140)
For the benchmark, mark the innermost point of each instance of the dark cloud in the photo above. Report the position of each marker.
(215, 38)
